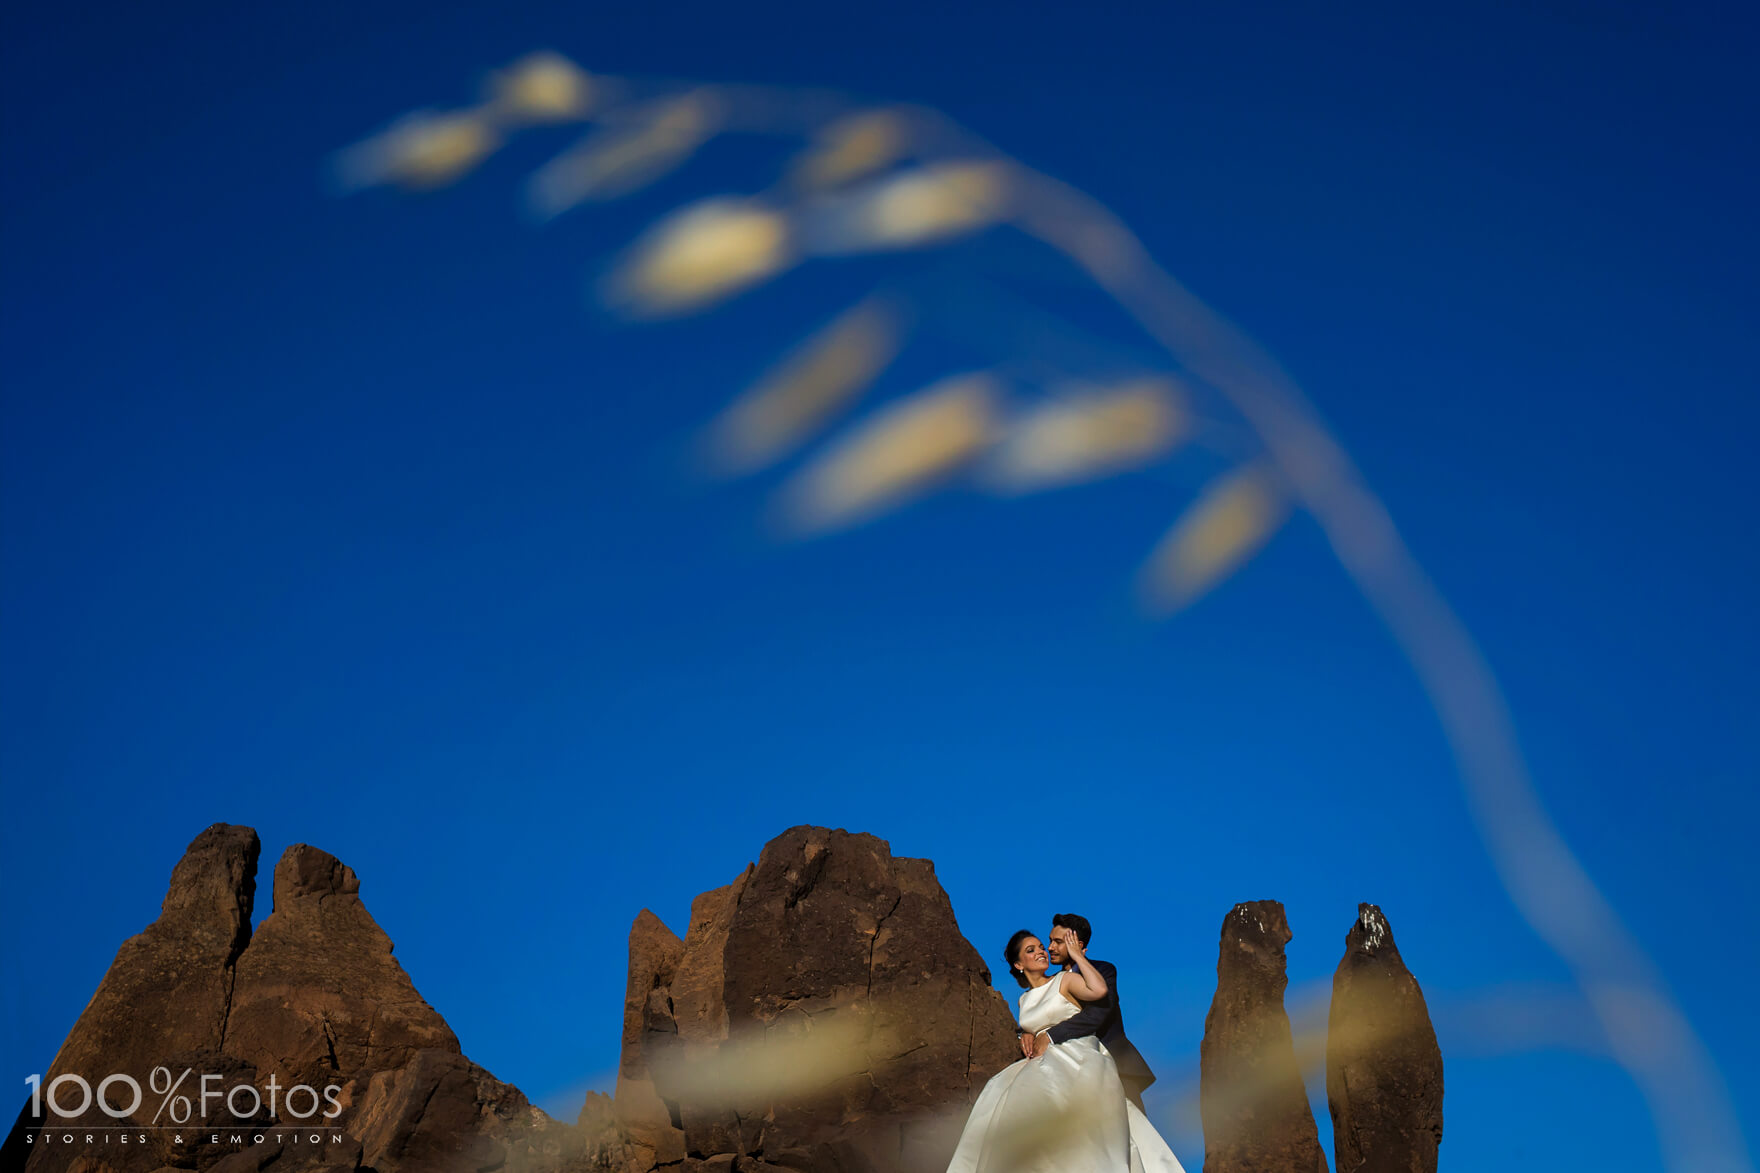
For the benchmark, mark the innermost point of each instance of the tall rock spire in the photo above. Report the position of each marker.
(1383, 1066)
(162, 1008)
(318, 995)
(170, 985)
(650, 1028)
(314, 998)
(1251, 1096)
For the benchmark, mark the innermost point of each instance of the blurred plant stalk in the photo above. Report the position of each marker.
(878, 180)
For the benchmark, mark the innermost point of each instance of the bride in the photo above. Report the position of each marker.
(1066, 1111)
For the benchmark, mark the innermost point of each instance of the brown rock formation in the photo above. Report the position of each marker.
(164, 999)
(317, 994)
(439, 1111)
(649, 1029)
(168, 989)
(313, 998)
(822, 1015)
(1251, 1097)
(842, 1019)
(1383, 1067)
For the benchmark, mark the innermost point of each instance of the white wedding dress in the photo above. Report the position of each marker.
(1064, 1112)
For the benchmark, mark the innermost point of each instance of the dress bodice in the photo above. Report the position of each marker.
(1045, 1006)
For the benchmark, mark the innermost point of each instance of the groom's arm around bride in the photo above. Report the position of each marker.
(1091, 1019)
(1103, 1017)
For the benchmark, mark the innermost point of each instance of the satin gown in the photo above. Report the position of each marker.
(1064, 1112)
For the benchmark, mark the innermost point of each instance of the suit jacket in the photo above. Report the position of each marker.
(1105, 1019)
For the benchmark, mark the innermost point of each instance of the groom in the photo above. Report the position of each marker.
(1102, 1017)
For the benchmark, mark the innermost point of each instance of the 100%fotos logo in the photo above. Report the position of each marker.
(178, 1107)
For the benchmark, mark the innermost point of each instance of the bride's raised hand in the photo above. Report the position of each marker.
(1085, 984)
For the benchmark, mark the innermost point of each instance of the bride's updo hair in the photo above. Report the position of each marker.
(1012, 954)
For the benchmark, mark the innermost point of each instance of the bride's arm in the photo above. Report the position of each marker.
(1085, 984)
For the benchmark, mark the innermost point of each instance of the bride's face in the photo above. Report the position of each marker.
(1032, 957)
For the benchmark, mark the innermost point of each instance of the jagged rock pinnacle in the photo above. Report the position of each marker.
(1251, 1096)
(1383, 1066)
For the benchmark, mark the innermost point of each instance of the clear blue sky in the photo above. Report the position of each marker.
(346, 519)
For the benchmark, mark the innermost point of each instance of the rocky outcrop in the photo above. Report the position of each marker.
(823, 1013)
(170, 986)
(319, 1000)
(439, 1111)
(164, 1000)
(313, 998)
(1251, 1096)
(650, 1030)
(317, 994)
(1383, 1066)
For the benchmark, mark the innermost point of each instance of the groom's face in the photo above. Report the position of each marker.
(1059, 946)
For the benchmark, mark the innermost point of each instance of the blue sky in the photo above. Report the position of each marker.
(349, 520)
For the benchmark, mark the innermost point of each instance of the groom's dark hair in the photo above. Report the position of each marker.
(1076, 924)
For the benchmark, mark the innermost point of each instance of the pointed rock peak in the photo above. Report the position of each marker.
(305, 870)
(1383, 1064)
(598, 1113)
(1257, 924)
(648, 1027)
(318, 996)
(213, 888)
(315, 998)
(1251, 1098)
(166, 991)
(654, 954)
(650, 928)
(1370, 933)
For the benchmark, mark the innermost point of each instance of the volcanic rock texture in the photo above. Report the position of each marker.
(1251, 1098)
(1383, 1067)
(823, 1014)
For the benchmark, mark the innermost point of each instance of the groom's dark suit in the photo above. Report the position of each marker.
(1103, 1018)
